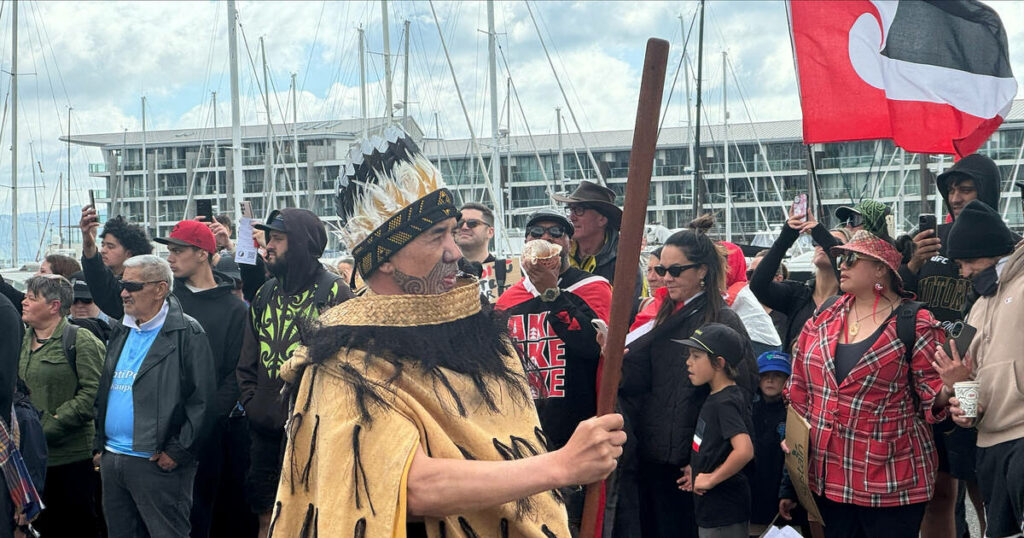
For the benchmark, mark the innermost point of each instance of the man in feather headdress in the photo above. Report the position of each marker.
(412, 412)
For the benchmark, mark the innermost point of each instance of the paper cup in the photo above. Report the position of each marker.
(967, 395)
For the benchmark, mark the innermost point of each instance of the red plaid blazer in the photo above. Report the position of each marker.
(868, 444)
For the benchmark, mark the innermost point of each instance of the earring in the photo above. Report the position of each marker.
(702, 284)
(878, 287)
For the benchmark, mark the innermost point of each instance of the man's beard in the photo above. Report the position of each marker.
(432, 284)
(279, 267)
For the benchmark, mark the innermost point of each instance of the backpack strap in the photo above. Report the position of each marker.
(68, 338)
(259, 302)
(906, 326)
(906, 331)
(826, 304)
(324, 287)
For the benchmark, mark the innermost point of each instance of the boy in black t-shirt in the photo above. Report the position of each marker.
(721, 441)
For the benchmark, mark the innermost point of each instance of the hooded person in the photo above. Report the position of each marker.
(759, 325)
(935, 277)
(409, 401)
(300, 289)
(930, 273)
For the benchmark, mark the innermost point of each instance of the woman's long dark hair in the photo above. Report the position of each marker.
(699, 248)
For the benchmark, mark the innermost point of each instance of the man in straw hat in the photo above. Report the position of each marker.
(411, 412)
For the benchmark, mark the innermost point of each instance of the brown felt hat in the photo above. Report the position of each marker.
(601, 199)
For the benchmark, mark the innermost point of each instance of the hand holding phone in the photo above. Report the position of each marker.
(926, 222)
(204, 208)
(799, 207)
(92, 198)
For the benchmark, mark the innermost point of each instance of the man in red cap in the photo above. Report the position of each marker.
(208, 297)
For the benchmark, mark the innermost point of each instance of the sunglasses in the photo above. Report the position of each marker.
(849, 259)
(674, 270)
(131, 286)
(578, 210)
(537, 232)
(470, 223)
(853, 221)
(83, 301)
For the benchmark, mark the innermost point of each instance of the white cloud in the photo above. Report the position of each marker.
(110, 54)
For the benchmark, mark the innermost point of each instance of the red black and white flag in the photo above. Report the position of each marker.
(932, 76)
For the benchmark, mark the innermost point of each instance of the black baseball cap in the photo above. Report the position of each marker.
(79, 287)
(552, 216)
(717, 340)
(275, 223)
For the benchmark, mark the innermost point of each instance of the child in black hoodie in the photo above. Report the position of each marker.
(769, 414)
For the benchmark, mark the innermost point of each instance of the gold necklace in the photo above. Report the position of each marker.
(852, 328)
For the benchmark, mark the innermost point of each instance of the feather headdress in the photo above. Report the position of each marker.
(390, 193)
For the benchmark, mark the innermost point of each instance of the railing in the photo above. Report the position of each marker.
(174, 190)
(97, 168)
(852, 161)
(164, 164)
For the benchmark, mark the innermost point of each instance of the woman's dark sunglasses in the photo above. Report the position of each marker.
(131, 286)
(853, 221)
(537, 232)
(849, 259)
(674, 270)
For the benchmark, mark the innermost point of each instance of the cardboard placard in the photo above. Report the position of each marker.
(489, 284)
(798, 433)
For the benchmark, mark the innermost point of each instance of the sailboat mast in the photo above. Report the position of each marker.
(698, 183)
(689, 103)
(362, 78)
(405, 82)
(390, 112)
(561, 154)
(14, 132)
(725, 151)
(295, 142)
(237, 186)
(216, 151)
(499, 212)
(151, 217)
(269, 181)
(70, 229)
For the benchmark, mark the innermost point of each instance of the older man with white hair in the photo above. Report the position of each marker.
(152, 406)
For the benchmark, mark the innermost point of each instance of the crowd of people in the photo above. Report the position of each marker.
(386, 395)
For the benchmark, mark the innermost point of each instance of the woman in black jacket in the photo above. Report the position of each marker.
(798, 300)
(660, 402)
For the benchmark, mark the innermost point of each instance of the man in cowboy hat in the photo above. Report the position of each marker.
(596, 218)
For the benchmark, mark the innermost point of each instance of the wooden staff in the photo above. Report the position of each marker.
(638, 184)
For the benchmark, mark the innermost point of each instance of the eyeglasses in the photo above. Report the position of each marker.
(849, 259)
(131, 286)
(853, 221)
(674, 270)
(577, 210)
(537, 232)
(470, 223)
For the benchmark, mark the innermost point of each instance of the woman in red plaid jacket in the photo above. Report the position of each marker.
(872, 460)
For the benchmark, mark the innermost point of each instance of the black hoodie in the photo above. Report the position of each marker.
(272, 335)
(938, 284)
(222, 316)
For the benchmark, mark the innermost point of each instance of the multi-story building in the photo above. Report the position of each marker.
(175, 160)
(767, 168)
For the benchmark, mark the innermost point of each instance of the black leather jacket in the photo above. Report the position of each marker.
(173, 389)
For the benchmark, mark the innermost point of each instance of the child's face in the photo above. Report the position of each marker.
(699, 367)
(772, 384)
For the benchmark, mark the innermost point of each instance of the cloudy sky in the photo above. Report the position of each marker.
(100, 58)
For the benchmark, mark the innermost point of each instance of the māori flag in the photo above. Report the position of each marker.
(932, 76)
